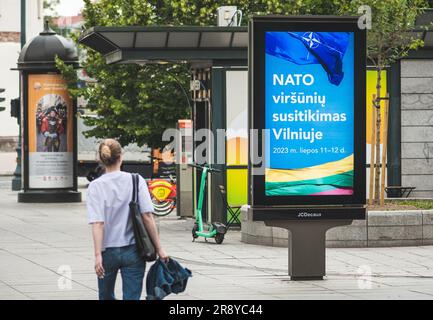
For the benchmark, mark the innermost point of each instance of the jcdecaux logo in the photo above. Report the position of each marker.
(309, 214)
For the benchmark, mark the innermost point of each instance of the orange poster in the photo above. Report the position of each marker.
(50, 129)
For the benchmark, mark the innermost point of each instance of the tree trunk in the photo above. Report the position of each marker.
(378, 133)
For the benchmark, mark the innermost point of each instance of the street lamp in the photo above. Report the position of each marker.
(15, 109)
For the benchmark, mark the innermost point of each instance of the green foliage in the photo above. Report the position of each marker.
(50, 6)
(193, 12)
(50, 11)
(389, 38)
(133, 103)
(420, 204)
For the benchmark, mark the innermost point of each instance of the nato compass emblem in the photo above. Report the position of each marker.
(311, 40)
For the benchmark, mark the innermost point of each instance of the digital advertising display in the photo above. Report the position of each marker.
(307, 101)
(309, 91)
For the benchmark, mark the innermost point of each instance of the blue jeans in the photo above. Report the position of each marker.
(131, 266)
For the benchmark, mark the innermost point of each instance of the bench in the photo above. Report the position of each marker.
(400, 191)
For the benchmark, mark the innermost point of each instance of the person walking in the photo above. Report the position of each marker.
(107, 201)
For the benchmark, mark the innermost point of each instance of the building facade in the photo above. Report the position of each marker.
(10, 26)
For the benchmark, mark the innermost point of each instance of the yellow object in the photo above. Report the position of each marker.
(371, 89)
(160, 189)
(315, 172)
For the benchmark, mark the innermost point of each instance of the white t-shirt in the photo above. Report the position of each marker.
(108, 200)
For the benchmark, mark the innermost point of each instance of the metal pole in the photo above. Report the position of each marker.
(394, 145)
(23, 23)
(16, 181)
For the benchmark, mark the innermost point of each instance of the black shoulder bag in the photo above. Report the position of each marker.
(144, 244)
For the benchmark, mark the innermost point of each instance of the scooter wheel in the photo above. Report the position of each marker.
(194, 231)
(219, 238)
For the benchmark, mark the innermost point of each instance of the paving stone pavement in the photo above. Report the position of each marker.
(42, 246)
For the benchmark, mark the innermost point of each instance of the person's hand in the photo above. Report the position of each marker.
(162, 255)
(99, 269)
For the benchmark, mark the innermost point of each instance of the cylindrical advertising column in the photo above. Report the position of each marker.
(48, 121)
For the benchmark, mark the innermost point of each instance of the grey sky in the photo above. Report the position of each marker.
(70, 7)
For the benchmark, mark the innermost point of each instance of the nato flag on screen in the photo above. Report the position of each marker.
(325, 48)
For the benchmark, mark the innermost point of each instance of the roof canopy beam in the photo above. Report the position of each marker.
(167, 44)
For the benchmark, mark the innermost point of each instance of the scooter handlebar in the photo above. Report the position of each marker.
(201, 167)
(194, 166)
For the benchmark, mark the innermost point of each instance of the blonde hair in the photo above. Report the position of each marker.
(109, 152)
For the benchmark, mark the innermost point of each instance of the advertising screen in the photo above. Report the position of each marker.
(307, 116)
(309, 113)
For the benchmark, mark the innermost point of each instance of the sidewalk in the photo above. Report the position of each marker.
(7, 163)
(41, 244)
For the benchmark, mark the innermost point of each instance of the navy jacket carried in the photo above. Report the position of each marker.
(165, 278)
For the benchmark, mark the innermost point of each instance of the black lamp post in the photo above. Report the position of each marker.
(16, 181)
(48, 122)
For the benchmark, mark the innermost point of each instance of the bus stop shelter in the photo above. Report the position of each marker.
(217, 57)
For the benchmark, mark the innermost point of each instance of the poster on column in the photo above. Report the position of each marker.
(309, 113)
(50, 129)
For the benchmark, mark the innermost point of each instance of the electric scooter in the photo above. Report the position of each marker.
(215, 230)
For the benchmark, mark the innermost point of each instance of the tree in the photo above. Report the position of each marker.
(50, 9)
(388, 40)
(137, 103)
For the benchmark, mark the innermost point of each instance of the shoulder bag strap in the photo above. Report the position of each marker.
(136, 186)
(134, 190)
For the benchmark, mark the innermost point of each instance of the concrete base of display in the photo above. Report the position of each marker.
(380, 229)
(49, 196)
